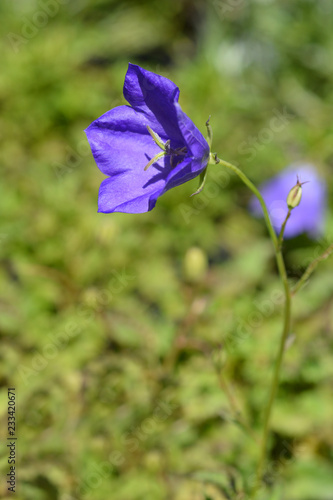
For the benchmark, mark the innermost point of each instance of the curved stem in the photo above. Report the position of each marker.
(311, 267)
(287, 318)
(280, 239)
(273, 390)
(256, 192)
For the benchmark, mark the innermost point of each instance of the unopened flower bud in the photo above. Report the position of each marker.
(295, 195)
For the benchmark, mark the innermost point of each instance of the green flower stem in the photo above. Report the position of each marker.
(311, 267)
(274, 385)
(280, 239)
(255, 191)
(286, 325)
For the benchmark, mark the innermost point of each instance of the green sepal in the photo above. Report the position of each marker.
(209, 133)
(202, 181)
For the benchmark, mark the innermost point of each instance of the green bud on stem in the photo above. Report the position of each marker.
(295, 195)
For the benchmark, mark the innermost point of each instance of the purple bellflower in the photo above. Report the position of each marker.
(146, 148)
(309, 216)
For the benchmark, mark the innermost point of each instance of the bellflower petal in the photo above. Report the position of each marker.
(155, 96)
(309, 216)
(193, 138)
(122, 145)
(119, 139)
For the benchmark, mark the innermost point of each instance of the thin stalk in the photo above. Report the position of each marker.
(280, 239)
(311, 267)
(286, 324)
(255, 191)
(274, 385)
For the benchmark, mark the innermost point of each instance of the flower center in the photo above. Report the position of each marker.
(167, 150)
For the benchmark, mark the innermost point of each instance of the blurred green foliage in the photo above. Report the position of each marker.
(113, 327)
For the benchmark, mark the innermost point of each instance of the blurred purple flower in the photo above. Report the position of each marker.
(123, 146)
(309, 216)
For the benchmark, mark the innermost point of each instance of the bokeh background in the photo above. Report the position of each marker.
(128, 336)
